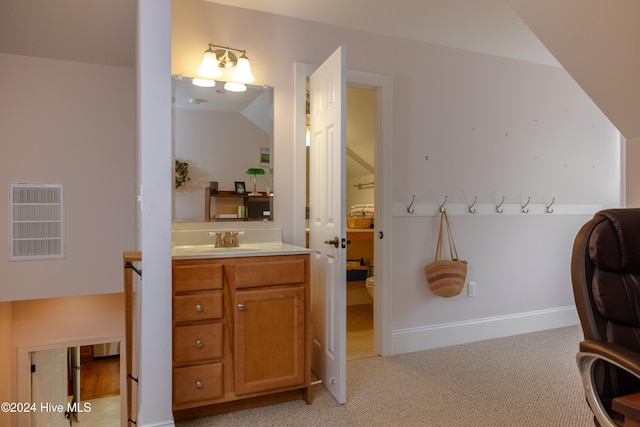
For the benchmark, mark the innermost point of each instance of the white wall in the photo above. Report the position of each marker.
(7, 373)
(74, 124)
(155, 176)
(69, 123)
(491, 127)
(357, 196)
(632, 172)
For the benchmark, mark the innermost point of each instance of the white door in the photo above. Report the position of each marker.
(75, 378)
(49, 387)
(327, 233)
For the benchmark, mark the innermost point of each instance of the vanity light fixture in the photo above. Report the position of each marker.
(216, 59)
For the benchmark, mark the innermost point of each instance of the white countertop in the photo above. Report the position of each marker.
(257, 249)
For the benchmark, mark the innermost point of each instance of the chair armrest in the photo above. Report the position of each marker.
(590, 353)
(622, 357)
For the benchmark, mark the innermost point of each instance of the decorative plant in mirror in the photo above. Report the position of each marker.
(182, 173)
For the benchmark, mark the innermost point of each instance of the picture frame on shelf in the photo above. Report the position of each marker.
(240, 187)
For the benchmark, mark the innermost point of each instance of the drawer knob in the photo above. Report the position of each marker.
(241, 307)
(199, 343)
(199, 384)
(199, 308)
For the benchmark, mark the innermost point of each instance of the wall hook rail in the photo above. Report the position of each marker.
(472, 208)
(410, 207)
(548, 207)
(524, 208)
(499, 208)
(441, 208)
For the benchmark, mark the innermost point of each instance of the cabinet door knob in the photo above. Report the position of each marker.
(199, 343)
(199, 384)
(241, 307)
(199, 308)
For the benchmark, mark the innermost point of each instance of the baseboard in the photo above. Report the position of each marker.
(161, 424)
(443, 335)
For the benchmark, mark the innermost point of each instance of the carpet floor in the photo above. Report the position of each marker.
(524, 380)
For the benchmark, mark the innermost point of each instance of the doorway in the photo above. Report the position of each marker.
(80, 385)
(361, 119)
(382, 188)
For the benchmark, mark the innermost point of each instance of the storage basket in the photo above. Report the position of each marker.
(359, 221)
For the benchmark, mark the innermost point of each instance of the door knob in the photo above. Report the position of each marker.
(241, 307)
(335, 242)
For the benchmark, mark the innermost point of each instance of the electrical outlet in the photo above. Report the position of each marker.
(472, 289)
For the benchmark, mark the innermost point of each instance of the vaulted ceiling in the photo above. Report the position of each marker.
(596, 41)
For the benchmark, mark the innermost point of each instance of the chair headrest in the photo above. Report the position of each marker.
(614, 244)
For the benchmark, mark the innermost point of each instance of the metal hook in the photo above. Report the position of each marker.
(499, 208)
(548, 208)
(471, 206)
(409, 208)
(440, 208)
(524, 208)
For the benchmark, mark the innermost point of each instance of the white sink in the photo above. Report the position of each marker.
(210, 249)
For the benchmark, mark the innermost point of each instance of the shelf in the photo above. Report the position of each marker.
(261, 202)
(360, 233)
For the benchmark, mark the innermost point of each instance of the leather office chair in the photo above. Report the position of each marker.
(605, 271)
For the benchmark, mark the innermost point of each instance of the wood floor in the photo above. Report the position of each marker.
(99, 377)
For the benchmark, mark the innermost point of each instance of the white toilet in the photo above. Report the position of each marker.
(369, 284)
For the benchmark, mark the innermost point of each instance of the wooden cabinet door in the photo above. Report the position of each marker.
(269, 339)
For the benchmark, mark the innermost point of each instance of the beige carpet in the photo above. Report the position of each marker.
(526, 380)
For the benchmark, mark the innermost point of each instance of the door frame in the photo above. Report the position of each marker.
(383, 186)
(23, 366)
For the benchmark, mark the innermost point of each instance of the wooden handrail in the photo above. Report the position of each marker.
(128, 258)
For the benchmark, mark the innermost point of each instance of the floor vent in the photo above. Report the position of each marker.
(36, 222)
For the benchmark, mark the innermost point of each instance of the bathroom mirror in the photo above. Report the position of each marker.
(220, 135)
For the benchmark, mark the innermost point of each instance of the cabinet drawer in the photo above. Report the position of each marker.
(197, 342)
(197, 307)
(196, 383)
(270, 273)
(196, 277)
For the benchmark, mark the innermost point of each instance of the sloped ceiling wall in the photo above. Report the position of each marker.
(598, 43)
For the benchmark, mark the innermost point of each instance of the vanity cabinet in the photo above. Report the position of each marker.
(241, 333)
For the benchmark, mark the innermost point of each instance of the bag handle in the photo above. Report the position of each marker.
(452, 246)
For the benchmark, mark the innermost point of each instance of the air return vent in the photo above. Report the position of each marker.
(36, 221)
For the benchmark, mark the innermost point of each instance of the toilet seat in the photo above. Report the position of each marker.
(369, 284)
